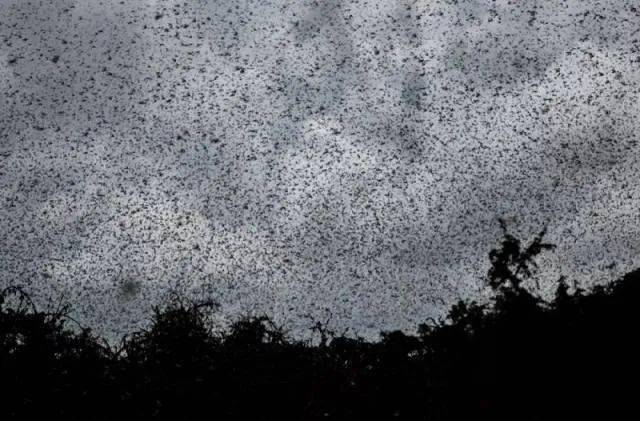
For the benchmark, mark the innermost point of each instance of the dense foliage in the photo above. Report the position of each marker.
(517, 358)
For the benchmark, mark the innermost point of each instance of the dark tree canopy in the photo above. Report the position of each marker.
(520, 359)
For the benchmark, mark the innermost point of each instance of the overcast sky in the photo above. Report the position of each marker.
(300, 157)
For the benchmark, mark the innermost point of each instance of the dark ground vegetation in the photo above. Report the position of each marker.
(517, 358)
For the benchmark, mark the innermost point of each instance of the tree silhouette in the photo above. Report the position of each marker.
(524, 359)
(511, 265)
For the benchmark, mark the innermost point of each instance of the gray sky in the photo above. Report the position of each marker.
(299, 157)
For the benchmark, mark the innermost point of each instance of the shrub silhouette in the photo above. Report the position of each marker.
(515, 358)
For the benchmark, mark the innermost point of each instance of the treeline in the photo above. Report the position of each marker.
(518, 358)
